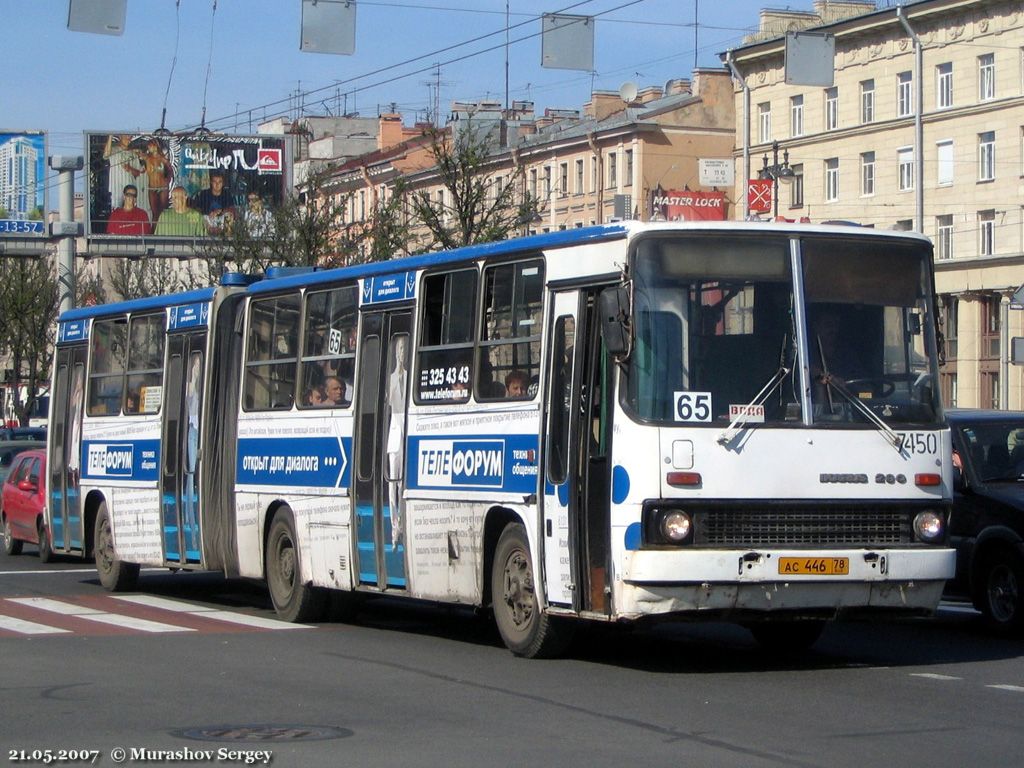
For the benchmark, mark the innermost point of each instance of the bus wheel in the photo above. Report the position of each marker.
(115, 575)
(525, 629)
(12, 546)
(1002, 599)
(785, 637)
(293, 599)
(45, 550)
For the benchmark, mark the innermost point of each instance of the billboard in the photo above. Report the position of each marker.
(684, 205)
(22, 183)
(195, 185)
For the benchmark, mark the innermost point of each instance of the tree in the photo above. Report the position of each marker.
(302, 231)
(147, 276)
(29, 301)
(474, 208)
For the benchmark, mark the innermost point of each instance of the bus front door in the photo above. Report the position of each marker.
(64, 468)
(379, 450)
(179, 489)
(577, 475)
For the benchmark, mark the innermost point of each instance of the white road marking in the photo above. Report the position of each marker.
(52, 571)
(1015, 688)
(209, 613)
(934, 676)
(28, 627)
(91, 614)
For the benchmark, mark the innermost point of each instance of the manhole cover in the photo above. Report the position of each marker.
(262, 733)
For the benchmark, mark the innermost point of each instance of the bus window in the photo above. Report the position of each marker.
(445, 351)
(272, 353)
(106, 373)
(510, 331)
(329, 345)
(145, 364)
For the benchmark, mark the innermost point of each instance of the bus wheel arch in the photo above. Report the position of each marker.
(294, 597)
(526, 628)
(115, 574)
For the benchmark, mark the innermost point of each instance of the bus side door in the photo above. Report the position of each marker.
(64, 463)
(576, 485)
(379, 447)
(180, 447)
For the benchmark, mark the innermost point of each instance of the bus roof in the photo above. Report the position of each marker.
(139, 305)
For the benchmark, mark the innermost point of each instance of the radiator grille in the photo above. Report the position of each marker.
(800, 527)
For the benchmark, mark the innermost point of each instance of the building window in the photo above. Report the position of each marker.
(944, 236)
(613, 175)
(986, 77)
(796, 187)
(944, 162)
(904, 94)
(905, 161)
(867, 173)
(547, 181)
(628, 181)
(796, 116)
(987, 156)
(944, 85)
(986, 232)
(832, 179)
(903, 225)
(563, 179)
(579, 177)
(831, 109)
(533, 182)
(867, 101)
(764, 114)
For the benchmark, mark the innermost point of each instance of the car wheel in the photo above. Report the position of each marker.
(1002, 584)
(12, 546)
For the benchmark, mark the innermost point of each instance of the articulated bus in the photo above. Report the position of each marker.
(630, 422)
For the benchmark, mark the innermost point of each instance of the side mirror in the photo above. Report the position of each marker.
(613, 306)
(27, 485)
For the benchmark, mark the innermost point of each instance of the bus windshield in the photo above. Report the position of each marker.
(716, 337)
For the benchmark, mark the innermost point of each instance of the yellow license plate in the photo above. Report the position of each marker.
(814, 566)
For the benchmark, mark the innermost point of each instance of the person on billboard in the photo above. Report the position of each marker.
(258, 220)
(179, 219)
(215, 204)
(159, 174)
(125, 166)
(129, 219)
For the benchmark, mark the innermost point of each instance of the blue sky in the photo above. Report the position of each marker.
(67, 82)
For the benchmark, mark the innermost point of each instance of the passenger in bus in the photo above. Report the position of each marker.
(337, 391)
(315, 396)
(517, 384)
(131, 402)
(829, 354)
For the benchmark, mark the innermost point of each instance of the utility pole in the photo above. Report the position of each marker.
(66, 229)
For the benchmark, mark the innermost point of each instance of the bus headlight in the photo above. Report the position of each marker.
(675, 526)
(929, 526)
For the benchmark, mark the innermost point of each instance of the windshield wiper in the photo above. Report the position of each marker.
(730, 432)
(887, 432)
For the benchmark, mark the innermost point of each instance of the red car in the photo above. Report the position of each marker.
(21, 505)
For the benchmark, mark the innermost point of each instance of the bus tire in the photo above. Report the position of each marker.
(524, 628)
(293, 598)
(45, 550)
(115, 574)
(787, 637)
(12, 546)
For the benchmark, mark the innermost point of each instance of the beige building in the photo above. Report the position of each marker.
(585, 168)
(922, 128)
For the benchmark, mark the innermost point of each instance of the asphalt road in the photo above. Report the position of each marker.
(198, 666)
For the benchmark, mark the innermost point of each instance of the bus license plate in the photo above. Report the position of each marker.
(814, 566)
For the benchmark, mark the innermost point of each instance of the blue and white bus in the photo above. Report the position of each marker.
(628, 422)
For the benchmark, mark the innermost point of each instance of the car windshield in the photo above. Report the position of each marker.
(716, 336)
(993, 450)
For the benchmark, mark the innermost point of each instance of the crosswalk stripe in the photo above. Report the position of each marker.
(29, 627)
(92, 614)
(209, 613)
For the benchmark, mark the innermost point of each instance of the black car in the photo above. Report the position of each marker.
(23, 433)
(987, 525)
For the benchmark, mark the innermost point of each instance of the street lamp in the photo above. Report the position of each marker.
(777, 172)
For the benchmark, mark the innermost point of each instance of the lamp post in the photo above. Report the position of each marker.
(777, 172)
